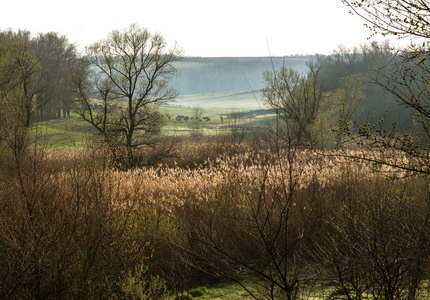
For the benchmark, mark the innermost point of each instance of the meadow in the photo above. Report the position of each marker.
(223, 109)
(224, 101)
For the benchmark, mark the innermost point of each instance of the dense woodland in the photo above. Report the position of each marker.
(330, 199)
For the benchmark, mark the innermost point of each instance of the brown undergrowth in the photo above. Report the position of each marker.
(74, 227)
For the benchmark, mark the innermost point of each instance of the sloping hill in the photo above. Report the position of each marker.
(199, 75)
(240, 100)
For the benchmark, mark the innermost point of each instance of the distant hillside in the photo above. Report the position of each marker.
(200, 75)
(237, 100)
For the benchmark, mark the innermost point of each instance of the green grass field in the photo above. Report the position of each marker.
(72, 132)
(234, 291)
(242, 100)
(64, 133)
(221, 291)
(218, 107)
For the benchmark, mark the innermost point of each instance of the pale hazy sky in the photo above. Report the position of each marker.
(200, 27)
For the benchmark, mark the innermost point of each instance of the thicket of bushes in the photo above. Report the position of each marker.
(286, 224)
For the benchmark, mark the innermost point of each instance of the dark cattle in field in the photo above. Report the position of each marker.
(186, 118)
(207, 119)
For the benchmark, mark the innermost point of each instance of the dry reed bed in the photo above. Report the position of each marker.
(175, 186)
(84, 190)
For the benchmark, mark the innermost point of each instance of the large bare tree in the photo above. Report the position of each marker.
(124, 78)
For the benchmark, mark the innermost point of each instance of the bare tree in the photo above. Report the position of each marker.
(295, 98)
(130, 72)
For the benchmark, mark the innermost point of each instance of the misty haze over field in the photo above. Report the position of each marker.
(199, 75)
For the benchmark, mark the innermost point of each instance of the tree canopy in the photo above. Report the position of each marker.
(127, 74)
